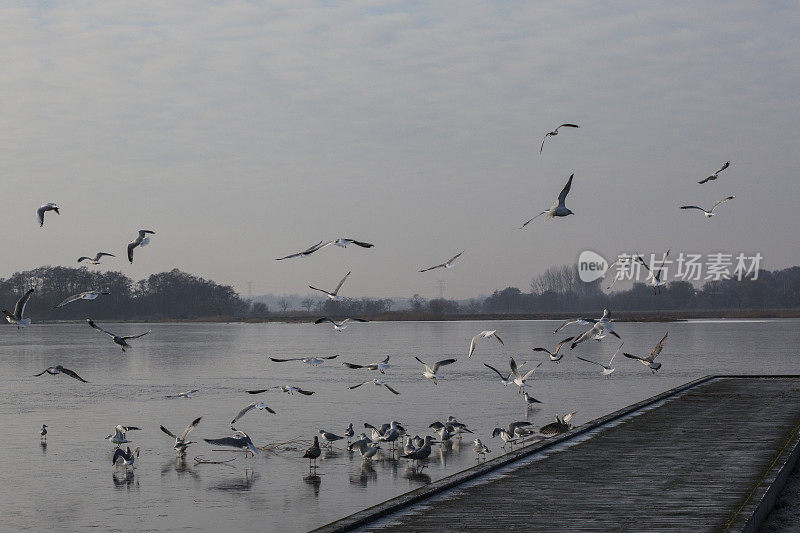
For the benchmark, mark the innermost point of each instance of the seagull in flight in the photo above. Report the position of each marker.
(289, 389)
(654, 276)
(485, 334)
(343, 242)
(378, 382)
(446, 264)
(19, 309)
(184, 394)
(119, 435)
(313, 361)
(88, 295)
(180, 441)
(708, 213)
(382, 366)
(58, 369)
(126, 458)
(240, 440)
(561, 425)
(121, 340)
(558, 209)
(338, 326)
(520, 380)
(50, 206)
(333, 295)
(431, 371)
(261, 406)
(505, 380)
(96, 259)
(554, 355)
(141, 240)
(607, 369)
(555, 132)
(600, 328)
(715, 175)
(649, 361)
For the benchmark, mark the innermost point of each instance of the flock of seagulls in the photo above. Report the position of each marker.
(368, 444)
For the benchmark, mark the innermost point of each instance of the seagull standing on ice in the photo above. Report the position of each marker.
(333, 295)
(710, 212)
(312, 454)
(715, 175)
(649, 361)
(141, 240)
(555, 132)
(44, 209)
(558, 209)
(446, 264)
(43, 432)
(431, 371)
(19, 309)
(120, 434)
(480, 449)
(483, 335)
(96, 259)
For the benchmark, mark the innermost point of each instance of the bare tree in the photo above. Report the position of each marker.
(283, 303)
(308, 303)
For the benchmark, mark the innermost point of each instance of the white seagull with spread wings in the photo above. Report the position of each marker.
(50, 206)
(649, 361)
(96, 259)
(338, 326)
(377, 382)
(118, 339)
(19, 309)
(555, 132)
(485, 334)
(558, 209)
(334, 294)
(88, 295)
(141, 240)
(715, 175)
(446, 264)
(654, 274)
(431, 371)
(710, 212)
(607, 369)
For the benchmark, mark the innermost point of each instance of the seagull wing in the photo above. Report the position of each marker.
(658, 347)
(322, 290)
(101, 254)
(581, 321)
(40, 215)
(514, 369)
(259, 391)
(496, 371)
(243, 412)
(567, 126)
(168, 432)
(472, 345)
(305, 392)
(361, 243)
(45, 371)
(424, 363)
(663, 260)
(704, 180)
(498, 339)
(631, 356)
(190, 427)
(309, 250)
(532, 219)
(129, 337)
(276, 360)
(562, 343)
(589, 361)
(330, 356)
(95, 326)
(357, 386)
(390, 388)
(454, 257)
(432, 268)
(531, 371)
(324, 319)
(68, 300)
(72, 374)
(722, 201)
(443, 362)
(723, 167)
(234, 442)
(543, 140)
(352, 365)
(19, 308)
(562, 197)
(339, 286)
(693, 207)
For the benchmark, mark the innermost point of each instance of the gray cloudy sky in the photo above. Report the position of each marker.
(241, 132)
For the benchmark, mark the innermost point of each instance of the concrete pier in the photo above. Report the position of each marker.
(711, 455)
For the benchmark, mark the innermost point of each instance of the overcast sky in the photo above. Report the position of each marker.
(242, 132)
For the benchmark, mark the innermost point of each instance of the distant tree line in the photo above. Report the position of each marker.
(167, 295)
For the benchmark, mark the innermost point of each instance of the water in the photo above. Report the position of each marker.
(71, 484)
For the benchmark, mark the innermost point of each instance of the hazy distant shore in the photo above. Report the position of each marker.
(408, 316)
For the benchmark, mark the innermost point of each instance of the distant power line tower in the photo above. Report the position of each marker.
(441, 283)
(249, 290)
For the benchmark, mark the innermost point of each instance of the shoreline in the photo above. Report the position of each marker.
(410, 316)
